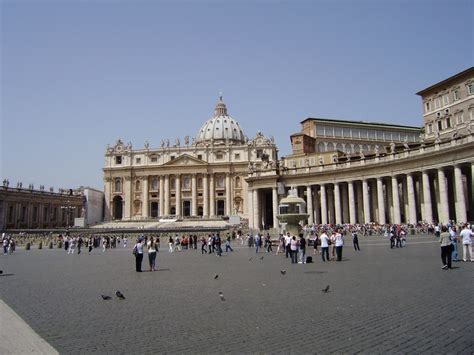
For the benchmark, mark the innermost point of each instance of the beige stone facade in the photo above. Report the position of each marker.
(28, 208)
(405, 181)
(200, 177)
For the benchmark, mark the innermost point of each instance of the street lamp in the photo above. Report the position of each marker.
(68, 208)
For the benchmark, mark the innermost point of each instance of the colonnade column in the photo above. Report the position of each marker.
(411, 199)
(461, 215)
(250, 208)
(352, 210)
(380, 201)
(443, 210)
(345, 204)
(193, 195)
(275, 207)
(309, 198)
(428, 211)
(205, 196)
(212, 196)
(324, 207)
(365, 196)
(396, 201)
(228, 196)
(317, 207)
(167, 195)
(337, 203)
(256, 209)
(145, 198)
(108, 207)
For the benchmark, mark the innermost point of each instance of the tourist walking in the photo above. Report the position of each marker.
(315, 244)
(294, 250)
(203, 245)
(302, 249)
(445, 243)
(355, 240)
(170, 244)
(324, 246)
(72, 246)
(268, 242)
(90, 244)
(151, 246)
(466, 235)
(339, 243)
(138, 252)
(454, 243)
(227, 244)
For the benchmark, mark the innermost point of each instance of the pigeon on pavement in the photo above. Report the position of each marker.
(105, 297)
(216, 277)
(326, 290)
(120, 295)
(283, 272)
(221, 295)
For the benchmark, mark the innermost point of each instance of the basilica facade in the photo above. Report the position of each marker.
(202, 176)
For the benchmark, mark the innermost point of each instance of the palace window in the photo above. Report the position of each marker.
(380, 135)
(355, 133)
(430, 128)
(470, 89)
(259, 153)
(200, 156)
(445, 99)
(427, 107)
(154, 159)
(320, 130)
(138, 160)
(219, 156)
(118, 185)
(388, 135)
(455, 95)
(371, 134)
(437, 103)
(347, 132)
(237, 156)
(448, 122)
(118, 159)
(363, 134)
(459, 118)
(440, 127)
(329, 131)
(337, 132)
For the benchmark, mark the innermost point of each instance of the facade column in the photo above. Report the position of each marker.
(411, 199)
(428, 210)
(177, 187)
(380, 201)
(162, 196)
(324, 207)
(317, 207)
(145, 207)
(461, 215)
(345, 204)
(365, 196)
(337, 203)
(352, 209)
(205, 195)
(396, 201)
(309, 200)
(212, 196)
(250, 208)
(443, 210)
(275, 207)
(228, 195)
(166, 211)
(127, 190)
(256, 209)
(108, 198)
(194, 210)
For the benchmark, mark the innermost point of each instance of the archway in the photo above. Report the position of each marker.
(118, 207)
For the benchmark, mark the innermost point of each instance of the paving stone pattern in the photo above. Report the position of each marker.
(380, 301)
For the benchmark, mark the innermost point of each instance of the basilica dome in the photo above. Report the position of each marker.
(221, 127)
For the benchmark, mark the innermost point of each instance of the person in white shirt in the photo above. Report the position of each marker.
(466, 235)
(324, 245)
(339, 242)
(138, 252)
(287, 244)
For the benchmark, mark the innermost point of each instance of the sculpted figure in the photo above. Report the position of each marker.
(186, 140)
(147, 145)
(392, 147)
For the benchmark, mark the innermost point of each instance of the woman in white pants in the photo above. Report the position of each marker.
(466, 235)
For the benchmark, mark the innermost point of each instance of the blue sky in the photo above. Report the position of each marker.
(78, 75)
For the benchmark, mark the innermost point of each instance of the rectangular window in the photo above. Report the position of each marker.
(118, 159)
(445, 99)
(380, 135)
(259, 153)
(427, 107)
(440, 127)
(363, 134)
(448, 123)
(430, 128)
(154, 159)
(219, 156)
(329, 131)
(347, 132)
(470, 89)
(456, 95)
(237, 156)
(355, 133)
(172, 157)
(437, 102)
(337, 132)
(388, 135)
(459, 118)
(320, 130)
(200, 156)
(371, 134)
(220, 183)
(138, 160)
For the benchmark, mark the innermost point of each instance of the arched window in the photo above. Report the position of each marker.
(154, 183)
(118, 185)
(330, 147)
(237, 182)
(137, 185)
(173, 184)
(321, 148)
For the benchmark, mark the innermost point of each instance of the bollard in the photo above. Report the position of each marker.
(50, 245)
(40, 245)
(27, 246)
(60, 244)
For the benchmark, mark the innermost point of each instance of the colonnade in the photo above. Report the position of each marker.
(432, 195)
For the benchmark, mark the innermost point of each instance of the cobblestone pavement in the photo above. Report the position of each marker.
(380, 301)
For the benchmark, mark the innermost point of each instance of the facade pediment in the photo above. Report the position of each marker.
(185, 160)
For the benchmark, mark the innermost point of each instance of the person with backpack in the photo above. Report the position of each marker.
(302, 249)
(138, 253)
(355, 240)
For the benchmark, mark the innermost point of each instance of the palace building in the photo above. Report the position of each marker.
(361, 172)
(200, 177)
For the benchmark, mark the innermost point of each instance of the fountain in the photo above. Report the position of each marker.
(292, 210)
